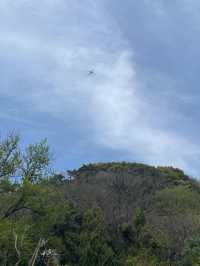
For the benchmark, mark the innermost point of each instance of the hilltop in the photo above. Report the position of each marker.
(120, 214)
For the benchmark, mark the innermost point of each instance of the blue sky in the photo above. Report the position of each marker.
(142, 103)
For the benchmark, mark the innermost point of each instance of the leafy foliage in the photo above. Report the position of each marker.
(191, 252)
(106, 214)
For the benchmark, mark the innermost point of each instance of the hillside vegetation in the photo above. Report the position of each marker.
(105, 214)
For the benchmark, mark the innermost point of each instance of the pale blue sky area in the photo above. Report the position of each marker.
(142, 102)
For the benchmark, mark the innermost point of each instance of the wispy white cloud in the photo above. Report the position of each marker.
(52, 45)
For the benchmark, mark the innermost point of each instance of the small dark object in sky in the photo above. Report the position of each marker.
(91, 72)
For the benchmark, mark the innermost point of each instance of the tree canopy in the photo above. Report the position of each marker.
(105, 214)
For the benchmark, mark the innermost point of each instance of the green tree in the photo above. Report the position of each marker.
(10, 159)
(95, 250)
(35, 161)
(191, 252)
